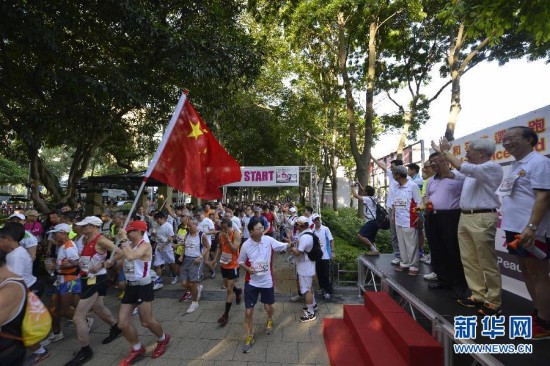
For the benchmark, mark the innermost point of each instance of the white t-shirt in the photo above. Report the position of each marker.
(79, 244)
(19, 262)
(246, 233)
(369, 208)
(164, 232)
(205, 226)
(325, 237)
(236, 223)
(193, 245)
(531, 172)
(259, 257)
(406, 198)
(304, 266)
(29, 240)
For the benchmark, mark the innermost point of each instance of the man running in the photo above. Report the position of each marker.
(256, 259)
(230, 241)
(137, 254)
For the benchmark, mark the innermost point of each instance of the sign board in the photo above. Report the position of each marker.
(274, 176)
(512, 279)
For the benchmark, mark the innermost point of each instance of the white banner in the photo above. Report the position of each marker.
(273, 176)
(509, 268)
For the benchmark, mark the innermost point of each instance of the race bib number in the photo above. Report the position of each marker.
(128, 267)
(226, 258)
(400, 202)
(260, 268)
(84, 263)
(505, 188)
(189, 245)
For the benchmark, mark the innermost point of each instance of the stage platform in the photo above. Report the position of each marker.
(436, 309)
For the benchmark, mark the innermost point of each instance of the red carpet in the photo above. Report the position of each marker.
(379, 333)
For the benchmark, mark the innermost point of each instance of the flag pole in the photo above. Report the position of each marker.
(129, 216)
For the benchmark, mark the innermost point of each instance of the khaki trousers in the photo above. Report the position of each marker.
(476, 238)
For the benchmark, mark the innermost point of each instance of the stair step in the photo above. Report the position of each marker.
(340, 343)
(375, 346)
(381, 303)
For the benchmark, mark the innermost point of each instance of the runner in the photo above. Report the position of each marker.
(256, 259)
(137, 254)
(164, 252)
(230, 240)
(196, 249)
(93, 279)
(67, 289)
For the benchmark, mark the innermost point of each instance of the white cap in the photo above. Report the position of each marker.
(292, 209)
(303, 220)
(90, 220)
(65, 228)
(315, 216)
(18, 215)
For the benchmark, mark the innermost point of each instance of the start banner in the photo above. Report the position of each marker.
(512, 279)
(273, 176)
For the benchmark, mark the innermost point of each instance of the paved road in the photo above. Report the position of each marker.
(197, 339)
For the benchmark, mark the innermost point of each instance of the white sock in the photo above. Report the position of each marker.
(136, 347)
(310, 308)
(162, 338)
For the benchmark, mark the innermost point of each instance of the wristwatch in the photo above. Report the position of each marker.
(533, 227)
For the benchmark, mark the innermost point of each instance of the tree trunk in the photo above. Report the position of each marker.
(407, 118)
(334, 184)
(455, 105)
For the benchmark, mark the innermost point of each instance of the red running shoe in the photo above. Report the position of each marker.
(133, 356)
(161, 346)
(185, 296)
(223, 319)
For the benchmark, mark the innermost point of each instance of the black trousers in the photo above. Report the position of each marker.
(322, 268)
(442, 234)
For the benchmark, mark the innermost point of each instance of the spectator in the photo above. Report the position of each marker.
(322, 266)
(478, 223)
(525, 194)
(405, 216)
(367, 233)
(413, 171)
(443, 195)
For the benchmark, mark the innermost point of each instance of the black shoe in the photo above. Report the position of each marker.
(470, 302)
(438, 286)
(113, 333)
(81, 357)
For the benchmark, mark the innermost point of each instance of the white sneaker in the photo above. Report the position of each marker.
(295, 298)
(430, 276)
(327, 296)
(135, 312)
(425, 259)
(396, 261)
(194, 306)
(90, 322)
(174, 280)
(199, 292)
(52, 338)
(157, 286)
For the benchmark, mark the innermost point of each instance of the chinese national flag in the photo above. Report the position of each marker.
(190, 159)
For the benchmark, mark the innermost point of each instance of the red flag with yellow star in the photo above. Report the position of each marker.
(189, 157)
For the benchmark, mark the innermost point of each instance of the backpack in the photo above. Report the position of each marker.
(382, 219)
(316, 253)
(37, 321)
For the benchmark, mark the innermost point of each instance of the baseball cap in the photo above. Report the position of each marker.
(137, 225)
(65, 228)
(315, 216)
(302, 219)
(31, 213)
(90, 220)
(18, 215)
(292, 209)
